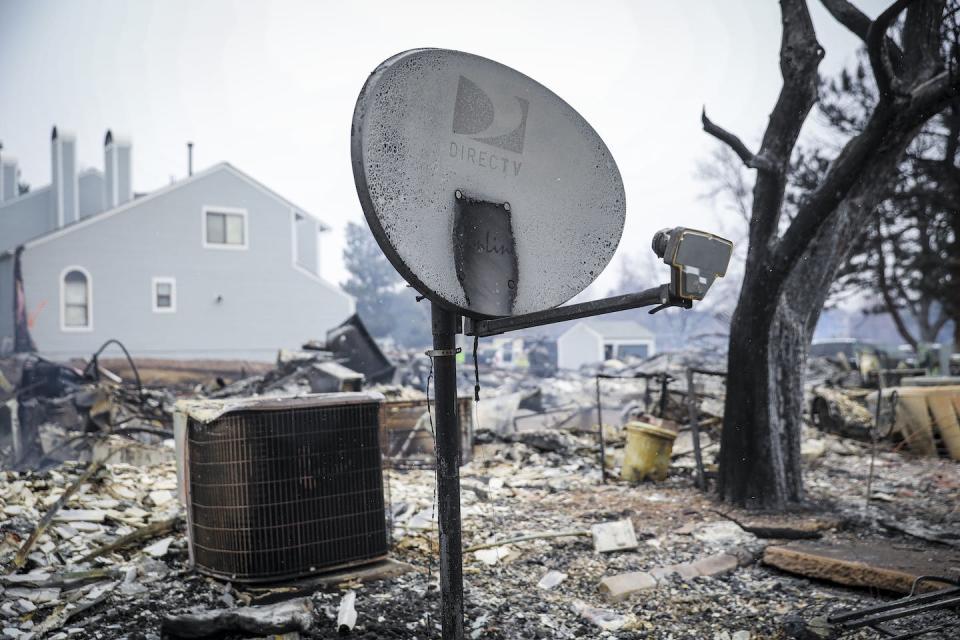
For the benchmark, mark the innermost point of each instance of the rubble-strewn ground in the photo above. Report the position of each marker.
(508, 490)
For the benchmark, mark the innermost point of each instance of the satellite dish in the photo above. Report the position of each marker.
(486, 191)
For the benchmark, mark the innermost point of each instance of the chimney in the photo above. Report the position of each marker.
(117, 161)
(63, 178)
(9, 182)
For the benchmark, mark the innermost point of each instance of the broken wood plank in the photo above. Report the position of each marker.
(63, 614)
(63, 580)
(80, 515)
(21, 558)
(382, 570)
(152, 530)
(775, 531)
(527, 538)
(945, 419)
(874, 564)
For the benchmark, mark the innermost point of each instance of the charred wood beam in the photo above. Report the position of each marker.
(146, 532)
(773, 531)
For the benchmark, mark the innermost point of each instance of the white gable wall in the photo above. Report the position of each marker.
(230, 303)
(579, 345)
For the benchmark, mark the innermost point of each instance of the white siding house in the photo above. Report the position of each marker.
(593, 341)
(216, 265)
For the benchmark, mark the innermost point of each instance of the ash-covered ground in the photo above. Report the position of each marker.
(510, 489)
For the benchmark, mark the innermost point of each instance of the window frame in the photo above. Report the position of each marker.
(173, 294)
(207, 209)
(63, 300)
(295, 241)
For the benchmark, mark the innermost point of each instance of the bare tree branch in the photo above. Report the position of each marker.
(934, 94)
(908, 301)
(877, 50)
(800, 55)
(858, 23)
(942, 319)
(727, 180)
(924, 42)
(927, 99)
(888, 300)
(750, 159)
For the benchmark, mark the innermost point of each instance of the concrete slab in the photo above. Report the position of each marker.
(620, 587)
(614, 536)
(717, 564)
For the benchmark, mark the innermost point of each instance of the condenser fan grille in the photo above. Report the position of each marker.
(287, 492)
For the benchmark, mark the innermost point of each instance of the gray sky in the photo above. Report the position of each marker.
(270, 87)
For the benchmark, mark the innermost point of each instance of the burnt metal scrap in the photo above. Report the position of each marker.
(922, 612)
(355, 348)
(55, 411)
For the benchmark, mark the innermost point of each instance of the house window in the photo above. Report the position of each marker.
(224, 228)
(306, 243)
(634, 350)
(76, 312)
(164, 295)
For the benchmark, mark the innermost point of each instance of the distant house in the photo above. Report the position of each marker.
(216, 265)
(593, 341)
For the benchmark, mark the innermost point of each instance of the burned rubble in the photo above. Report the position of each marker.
(556, 545)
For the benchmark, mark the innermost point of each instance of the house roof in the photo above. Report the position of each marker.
(103, 215)
(619, 329)
(24, 196)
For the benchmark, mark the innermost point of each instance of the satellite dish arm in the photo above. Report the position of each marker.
(656, 296)
(696, 260)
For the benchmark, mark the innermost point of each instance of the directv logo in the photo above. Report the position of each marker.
(474, 114)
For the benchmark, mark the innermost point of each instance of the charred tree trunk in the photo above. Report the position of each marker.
(789, 271)
(760, 437)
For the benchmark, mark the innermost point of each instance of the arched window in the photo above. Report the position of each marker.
(76, 313)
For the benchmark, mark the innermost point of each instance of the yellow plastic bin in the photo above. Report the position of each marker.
(647, 452)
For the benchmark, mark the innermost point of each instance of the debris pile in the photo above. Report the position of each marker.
(96, 547)
(57, 413)
(81, 534)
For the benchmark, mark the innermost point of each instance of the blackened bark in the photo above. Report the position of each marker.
(788, 275)
(757, 468)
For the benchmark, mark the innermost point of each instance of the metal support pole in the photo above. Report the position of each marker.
(664, 382)
(874, 434)
(448, 472)
(695, 428)
(603, 446)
